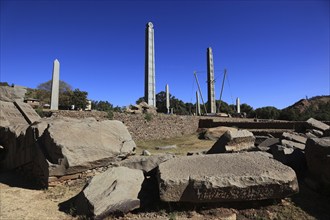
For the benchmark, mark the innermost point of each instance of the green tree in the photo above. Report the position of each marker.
(245, 108)
(63, 86)
(4, 84)
(102, 106)
(224, 107)
(79, 99)
(268, 112)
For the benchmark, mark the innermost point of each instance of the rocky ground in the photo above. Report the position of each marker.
(19, 201)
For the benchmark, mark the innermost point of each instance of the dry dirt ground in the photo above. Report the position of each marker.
(18, 200)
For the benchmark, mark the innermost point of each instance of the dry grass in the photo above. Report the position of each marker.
(187, 143)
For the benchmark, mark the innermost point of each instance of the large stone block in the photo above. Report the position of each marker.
(82, 144)
(115, 190)
(217, 132)
(317, 124)
(268, 143)
(225, 177)
(318, 159)
(233, 141)
(291, 136)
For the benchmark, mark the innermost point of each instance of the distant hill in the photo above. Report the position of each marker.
(317, 107)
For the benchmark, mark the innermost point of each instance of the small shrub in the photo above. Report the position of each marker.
(148, 117)
(110, 115)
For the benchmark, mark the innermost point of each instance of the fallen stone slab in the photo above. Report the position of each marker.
(318, 159)
(233, 141)
(77, 145)
(293, 144)
(317, 124)
(268, 143)
(145, 163)
(294, 137)
(115, 190)
(225, 177)
(11, 94)
(217, 132)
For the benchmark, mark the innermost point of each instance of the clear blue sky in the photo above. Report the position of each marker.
(275, 52)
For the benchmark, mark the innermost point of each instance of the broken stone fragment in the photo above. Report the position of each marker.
(217, 132)
(225, 177)
(233, 141)
(115, 190)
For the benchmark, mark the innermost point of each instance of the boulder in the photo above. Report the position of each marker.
(317, 124)
(233, 141)
(115, 190)
(318, 159)
(217, 132)
(145, 163)
(76, 145)
(225, 177)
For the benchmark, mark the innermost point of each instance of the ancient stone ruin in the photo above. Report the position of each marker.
(241, 166)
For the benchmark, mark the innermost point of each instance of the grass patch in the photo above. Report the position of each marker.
(186, 143)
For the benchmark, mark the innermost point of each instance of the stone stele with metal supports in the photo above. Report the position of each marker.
(210, 82)
(55, 86)
(150, 85)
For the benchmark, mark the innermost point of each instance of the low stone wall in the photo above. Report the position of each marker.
(160, 126)
(98, 115)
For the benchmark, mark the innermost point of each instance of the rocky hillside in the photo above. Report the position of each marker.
(315, 102)
(316, 107)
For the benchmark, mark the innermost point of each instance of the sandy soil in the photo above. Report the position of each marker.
(19, 201)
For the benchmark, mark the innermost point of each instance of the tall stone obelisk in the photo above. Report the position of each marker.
(55, 86)
(210, 82)
(150, 83)
(238, 106)
(198, 106)
(167, 91)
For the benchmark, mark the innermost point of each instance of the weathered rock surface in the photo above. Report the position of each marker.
(268, 143)
(318, 159)
(115, 190)
(317, 124)
(142, 107)
(84, 144)
(12, 94)
(292, 144)
(291, 136)
(233, 141)
(145, 163)
(225, 177)
(217, 132)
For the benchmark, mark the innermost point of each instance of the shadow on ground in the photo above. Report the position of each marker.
(16, 179)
